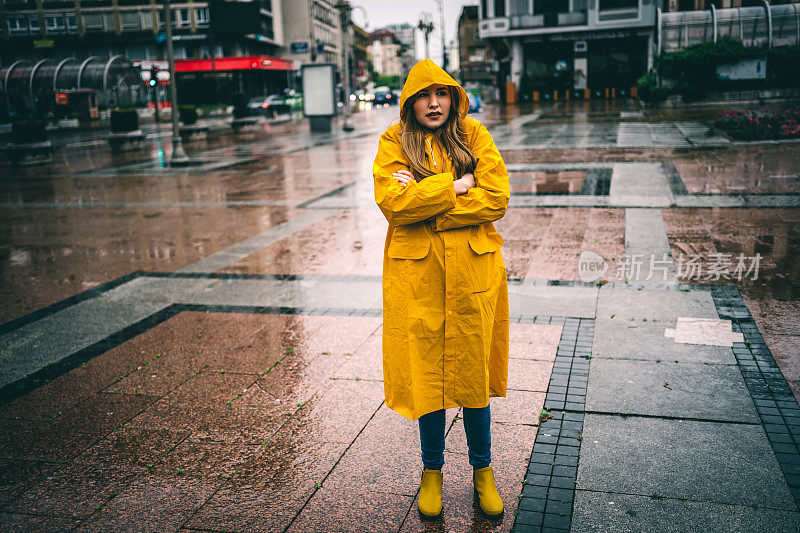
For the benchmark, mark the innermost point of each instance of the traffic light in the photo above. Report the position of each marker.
(153, 76)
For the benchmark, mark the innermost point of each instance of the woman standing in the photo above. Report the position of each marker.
(440, 182)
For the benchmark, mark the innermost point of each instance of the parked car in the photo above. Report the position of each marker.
(270, 106)
(475, 103)
(384, 97)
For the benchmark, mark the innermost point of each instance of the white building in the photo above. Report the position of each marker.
(312, 32)
(407, 35)
(552, 45)
(386, 53)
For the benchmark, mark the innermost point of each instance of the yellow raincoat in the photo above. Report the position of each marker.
(445, 296)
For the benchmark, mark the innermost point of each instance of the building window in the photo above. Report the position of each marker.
(182, 18)
(54, 23)
(93, 22)
(499, 8)
(266, 27)
(17, 25)
(72, 22)
(147, 20)
(131, 20)
(201, 16)
(618, 4)
(33, 20)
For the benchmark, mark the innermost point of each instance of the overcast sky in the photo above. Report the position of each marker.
(381, 13)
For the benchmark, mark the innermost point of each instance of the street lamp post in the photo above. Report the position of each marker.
(179, 157)
(344, 12)
(444, 47)
(425, 24)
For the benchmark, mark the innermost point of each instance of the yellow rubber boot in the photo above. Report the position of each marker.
(430, 494)
(486, 492)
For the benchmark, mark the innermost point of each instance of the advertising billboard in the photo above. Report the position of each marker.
(319, 86)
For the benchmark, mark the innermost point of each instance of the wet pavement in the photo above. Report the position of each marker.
(201, 349)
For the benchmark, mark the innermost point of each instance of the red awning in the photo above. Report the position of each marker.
(233, 63)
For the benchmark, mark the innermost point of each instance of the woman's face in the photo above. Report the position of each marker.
(432, 106)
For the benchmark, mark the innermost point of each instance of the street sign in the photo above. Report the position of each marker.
(299, 47)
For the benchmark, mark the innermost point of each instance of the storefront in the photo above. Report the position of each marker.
(211, 81)
(596, 60)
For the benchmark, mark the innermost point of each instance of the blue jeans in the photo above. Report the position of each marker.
(476, 426)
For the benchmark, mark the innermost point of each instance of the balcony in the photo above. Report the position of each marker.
(549, 20)
(493, 27)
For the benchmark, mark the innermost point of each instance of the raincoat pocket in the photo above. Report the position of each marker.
(481, 265)
(408, 247)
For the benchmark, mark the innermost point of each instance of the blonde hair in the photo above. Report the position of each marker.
(450, 135)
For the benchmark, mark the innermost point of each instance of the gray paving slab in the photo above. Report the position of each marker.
(610, 135)
(663, 305)
(647, 247)
(291, 293)
(531, 300)
(631, 324)
(646, 341)
(164, 289)
(604, 511)
(718, 462)
(55, 337)
(696, 390)
(639, 179)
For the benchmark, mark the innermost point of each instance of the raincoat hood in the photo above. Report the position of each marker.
(426, 73)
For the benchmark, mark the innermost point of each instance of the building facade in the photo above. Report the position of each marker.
(210, 39)
(312, 32)
(362, 69)
(407, 35)
(771, 24)
(558, 45)
(604, 46)
(474, 57)
(385, 51)
(59, 29)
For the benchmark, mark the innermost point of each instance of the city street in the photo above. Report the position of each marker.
(199, 348)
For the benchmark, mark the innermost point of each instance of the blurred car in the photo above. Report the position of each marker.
(364, 96)
(270, 106)
(475, 103)
(384, 97)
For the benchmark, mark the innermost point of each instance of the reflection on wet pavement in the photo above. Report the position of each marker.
(545, 243)
(346, 242)
(51, 253)
(751, 169)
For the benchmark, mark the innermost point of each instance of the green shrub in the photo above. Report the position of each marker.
(124, 120)
(697, 64)
(782, 66)
(208, 108)
(650, 91)
(28, 131)
(188, 114)
(690, 92)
